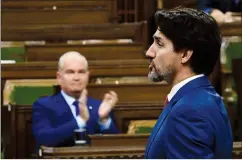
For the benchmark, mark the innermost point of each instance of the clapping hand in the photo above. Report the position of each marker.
(109, 101)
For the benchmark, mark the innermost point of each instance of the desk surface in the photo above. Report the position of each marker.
(112, 146)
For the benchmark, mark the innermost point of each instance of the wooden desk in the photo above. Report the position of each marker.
(105, 146)
(231, 29)
(62, 32)
(109, 5)
(58, 12)
(99, 68)
(94, 152)
(112, 146)
(52, 52)
(59, 16)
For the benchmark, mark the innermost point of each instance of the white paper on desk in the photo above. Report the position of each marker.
(8, 61)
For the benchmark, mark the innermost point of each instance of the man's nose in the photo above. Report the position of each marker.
(76, 76)
(150, 52)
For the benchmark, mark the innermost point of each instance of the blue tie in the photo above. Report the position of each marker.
(76, 104)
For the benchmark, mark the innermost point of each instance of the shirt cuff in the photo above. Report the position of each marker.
(105, 125)
(80, 122)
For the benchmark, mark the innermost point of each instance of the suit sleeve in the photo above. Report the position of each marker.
(188, 136)
(44, 132)
(112, 128)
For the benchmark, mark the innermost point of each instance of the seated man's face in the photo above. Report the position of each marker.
(73, 77)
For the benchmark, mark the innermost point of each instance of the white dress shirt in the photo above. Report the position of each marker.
(80, 122)
(179, 85)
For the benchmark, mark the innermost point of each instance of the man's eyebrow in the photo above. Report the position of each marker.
(157, 38)
(83, 70)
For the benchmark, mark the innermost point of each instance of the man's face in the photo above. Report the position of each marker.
(164, 61)
(73, 77)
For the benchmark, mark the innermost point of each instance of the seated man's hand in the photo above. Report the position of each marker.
(84, 113)
(109, 101)
(218, 15)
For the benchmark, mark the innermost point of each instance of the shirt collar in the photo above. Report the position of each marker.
(180, 85)
(70, 100)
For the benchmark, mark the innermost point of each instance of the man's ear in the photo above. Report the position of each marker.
(88, 75)
(186, 55)
(58, 76)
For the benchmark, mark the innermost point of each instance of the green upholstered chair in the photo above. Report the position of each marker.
(25, 92)
(233, 51)
(141, 126)
(16, 53)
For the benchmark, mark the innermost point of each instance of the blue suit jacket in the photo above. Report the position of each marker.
(54, 123)
(194, 124)
(222, 5)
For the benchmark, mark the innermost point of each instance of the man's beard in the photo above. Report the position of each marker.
(155, 77)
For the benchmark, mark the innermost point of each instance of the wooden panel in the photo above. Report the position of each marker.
(131, 92)
(58, 12)
(125, 113)
(112, 151)
(119, 140)
(63, 32)
(92, 152)
(59, 4)
(231, 29)
(62, 16)
(107, 68)
(8, 133)
(52, 52)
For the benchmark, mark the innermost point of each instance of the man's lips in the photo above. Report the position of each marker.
(76, 84)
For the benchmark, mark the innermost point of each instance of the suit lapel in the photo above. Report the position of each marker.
(158, 124)
(62, 105)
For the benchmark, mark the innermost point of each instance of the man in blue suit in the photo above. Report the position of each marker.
(55, 118)
(194, 122)
(221, 10)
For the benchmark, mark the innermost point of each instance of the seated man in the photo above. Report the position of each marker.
(221, 10)
(56, 117)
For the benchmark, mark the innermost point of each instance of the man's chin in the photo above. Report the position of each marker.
(77, 90)
(155, 78)
(76, 93)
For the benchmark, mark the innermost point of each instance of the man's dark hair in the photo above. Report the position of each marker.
(190, 29)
